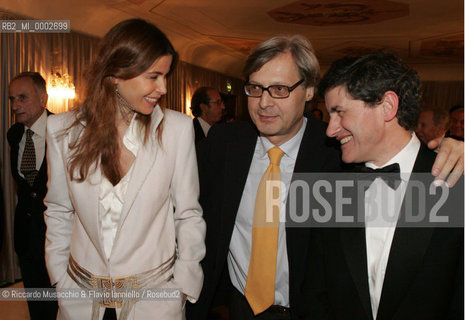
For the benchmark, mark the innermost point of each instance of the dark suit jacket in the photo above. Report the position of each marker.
(29, 225)
(423, 279)
(199, 135)
(224, 163)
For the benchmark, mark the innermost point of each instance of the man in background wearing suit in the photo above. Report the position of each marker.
(382, 270)
(281, 74)
(28, 99)
(432, 123)
(207, 108)
(456, 123)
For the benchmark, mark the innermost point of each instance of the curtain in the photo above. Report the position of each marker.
(186, 78)
(436, 94)
(442, 95)
(68, 53)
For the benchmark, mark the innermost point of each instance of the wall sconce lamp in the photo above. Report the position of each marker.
(61, 86)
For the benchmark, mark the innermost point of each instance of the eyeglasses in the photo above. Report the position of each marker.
(217, 102)
(276, 91)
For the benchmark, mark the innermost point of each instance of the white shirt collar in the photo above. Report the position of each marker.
(405, 158)
(132, 139)
(204, 124)
(40, 126)
(290, 147)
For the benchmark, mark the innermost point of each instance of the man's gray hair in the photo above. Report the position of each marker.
(37, 79)
(297, 45)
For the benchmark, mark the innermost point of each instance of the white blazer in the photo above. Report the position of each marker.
(160, 216)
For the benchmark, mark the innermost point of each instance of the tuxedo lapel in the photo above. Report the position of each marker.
(353, 244)
(407, 250)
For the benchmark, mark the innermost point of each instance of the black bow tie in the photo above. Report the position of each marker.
(390, 174)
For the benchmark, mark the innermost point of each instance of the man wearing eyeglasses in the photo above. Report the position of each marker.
(254, 262)
(281, 74)
(207, 107)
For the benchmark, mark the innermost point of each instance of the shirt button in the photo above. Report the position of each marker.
(33, 195)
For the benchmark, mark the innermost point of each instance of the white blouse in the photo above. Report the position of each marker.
(111, 197)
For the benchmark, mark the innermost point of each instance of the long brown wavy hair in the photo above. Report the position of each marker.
(126, 51)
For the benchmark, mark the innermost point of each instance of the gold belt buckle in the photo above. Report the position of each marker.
(110, 290)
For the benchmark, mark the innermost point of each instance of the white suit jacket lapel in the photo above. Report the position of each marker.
(142, 165)
(91, 189)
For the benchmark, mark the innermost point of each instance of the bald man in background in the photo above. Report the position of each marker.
(432, 123)
(28, 99)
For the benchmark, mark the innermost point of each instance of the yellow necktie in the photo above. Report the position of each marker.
(260, 286)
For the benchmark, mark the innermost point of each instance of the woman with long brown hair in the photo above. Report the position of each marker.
(122, 211)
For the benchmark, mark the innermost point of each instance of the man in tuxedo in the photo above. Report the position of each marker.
(281, 74)
(28, 99)
(207, 108)
(383, 269)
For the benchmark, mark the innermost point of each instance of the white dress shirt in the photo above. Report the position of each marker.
(240, 247)
(39, 128)
(382, 208)
(111, 198)
(205, 126)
